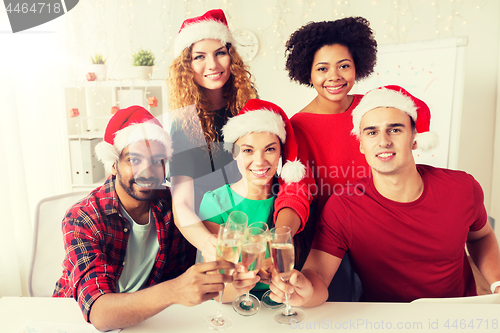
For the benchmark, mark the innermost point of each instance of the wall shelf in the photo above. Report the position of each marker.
(94, 101)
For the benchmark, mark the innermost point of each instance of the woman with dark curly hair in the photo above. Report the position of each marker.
(208, 83)
(330, 56)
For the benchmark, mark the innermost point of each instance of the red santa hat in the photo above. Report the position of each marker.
(128, 126)
(397, 97)
(211, 25)
(259, 116)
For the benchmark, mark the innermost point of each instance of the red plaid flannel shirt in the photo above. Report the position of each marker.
(95, 239)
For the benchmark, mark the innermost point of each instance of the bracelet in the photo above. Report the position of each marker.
(494, 286)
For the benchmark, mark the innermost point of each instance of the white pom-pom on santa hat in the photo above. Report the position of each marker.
(397, 97)
(259, 116)
(293, 171)
(129, 126)
(211, 25)
(427, 141)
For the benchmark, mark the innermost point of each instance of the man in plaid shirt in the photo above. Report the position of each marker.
(125, 259)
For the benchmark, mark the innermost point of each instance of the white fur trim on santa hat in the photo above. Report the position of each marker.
(255, 121)
(427, 140)
(143, 131)
(381, 98)
(109, 154)
(293, 171)
(208, 29)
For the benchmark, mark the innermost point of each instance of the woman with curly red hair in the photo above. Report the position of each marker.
(208, 83)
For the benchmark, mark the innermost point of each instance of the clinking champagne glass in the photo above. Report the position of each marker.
(266, 301)
(237, 217)
(228, 248)
(283, 254)
(253, 251)
(264, 226)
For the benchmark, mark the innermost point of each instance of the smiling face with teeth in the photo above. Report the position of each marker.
(140, 171)
(333, 74)
(387, 140)
(210, 61)
(258, 160)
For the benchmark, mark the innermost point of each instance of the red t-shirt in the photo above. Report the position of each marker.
(405, 251)
(331, 156)
(329, 149)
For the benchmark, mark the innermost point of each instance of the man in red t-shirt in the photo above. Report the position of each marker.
(406, 225)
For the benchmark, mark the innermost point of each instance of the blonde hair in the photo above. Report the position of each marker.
(184, 91)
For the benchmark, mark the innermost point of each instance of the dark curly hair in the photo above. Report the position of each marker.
(352, 32)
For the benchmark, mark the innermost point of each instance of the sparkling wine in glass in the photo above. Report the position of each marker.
(228, 248)
(253, 251)
(283, 254)
(266, 300)
(267, 233)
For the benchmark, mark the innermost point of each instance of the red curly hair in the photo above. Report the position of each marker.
(184, 91)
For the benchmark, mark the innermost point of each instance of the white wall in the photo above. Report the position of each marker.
(117, 28)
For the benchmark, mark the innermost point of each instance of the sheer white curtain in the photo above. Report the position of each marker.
(32, 144)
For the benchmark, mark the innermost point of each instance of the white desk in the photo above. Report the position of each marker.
(353, 317)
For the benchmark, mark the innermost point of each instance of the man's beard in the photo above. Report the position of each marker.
(139, 196)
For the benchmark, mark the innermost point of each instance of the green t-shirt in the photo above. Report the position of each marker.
(218, 204)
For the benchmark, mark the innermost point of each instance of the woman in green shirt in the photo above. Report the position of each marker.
(261, 135)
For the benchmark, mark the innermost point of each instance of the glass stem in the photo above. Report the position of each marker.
(218, 316)
(288, 308)
(247, 297)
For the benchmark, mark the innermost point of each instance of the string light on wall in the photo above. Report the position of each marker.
(341, 9)
(111, 27)
(403, 16)
(166, 33)
(273, 37)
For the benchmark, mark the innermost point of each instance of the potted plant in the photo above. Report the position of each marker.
(98, 66)
(144, 60)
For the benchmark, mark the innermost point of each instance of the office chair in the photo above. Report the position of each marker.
(47, 246)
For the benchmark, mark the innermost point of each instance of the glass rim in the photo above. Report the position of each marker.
(283, 229)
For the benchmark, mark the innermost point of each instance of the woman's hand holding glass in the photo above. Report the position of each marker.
(243, 280)
(265, 271)
(266, 265)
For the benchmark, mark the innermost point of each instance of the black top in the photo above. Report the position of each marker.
(209, 169)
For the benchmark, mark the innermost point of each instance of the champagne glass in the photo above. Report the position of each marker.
(266, 300)
(283, 254)
(253, 251)
(228, 248)
(237, 217)
(264, 226)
